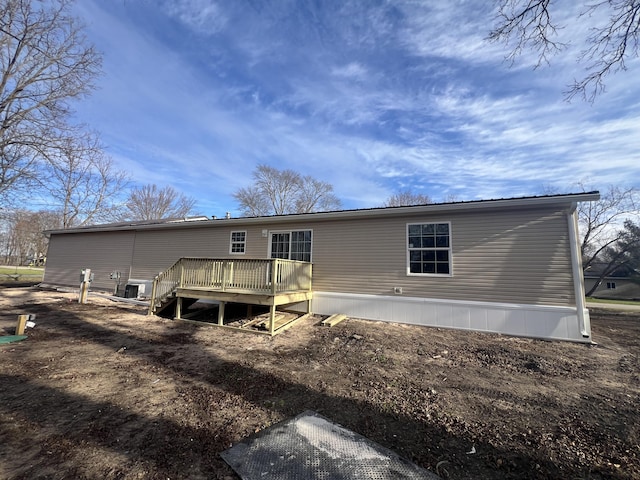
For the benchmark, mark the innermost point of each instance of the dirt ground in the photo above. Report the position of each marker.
(103, 391)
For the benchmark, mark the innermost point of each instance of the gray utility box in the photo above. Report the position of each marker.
(144, 288)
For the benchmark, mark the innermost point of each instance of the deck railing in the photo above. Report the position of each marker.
(246, 275)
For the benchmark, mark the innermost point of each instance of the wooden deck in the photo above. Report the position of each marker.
(270, 282)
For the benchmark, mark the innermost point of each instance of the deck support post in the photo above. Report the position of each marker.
(178, 308)
(249, 310)
(221, 313)
(272, 320)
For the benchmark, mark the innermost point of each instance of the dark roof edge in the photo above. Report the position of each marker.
(567, 199)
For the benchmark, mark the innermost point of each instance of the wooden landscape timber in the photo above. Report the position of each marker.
(333, 320)
(21, 324)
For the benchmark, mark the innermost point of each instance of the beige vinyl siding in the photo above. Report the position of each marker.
(499, 256)
(156, 250)
(102, 252)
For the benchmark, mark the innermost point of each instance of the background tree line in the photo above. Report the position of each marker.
(22, 240)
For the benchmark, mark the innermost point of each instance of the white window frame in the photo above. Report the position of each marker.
(237, 243)
(271, 232)
(409, 249)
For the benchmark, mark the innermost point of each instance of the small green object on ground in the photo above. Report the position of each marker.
(12, 338)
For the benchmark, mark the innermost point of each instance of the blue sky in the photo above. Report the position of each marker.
(372, 96)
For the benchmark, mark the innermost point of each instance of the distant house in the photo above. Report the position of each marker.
(622, 284)
(510, 265)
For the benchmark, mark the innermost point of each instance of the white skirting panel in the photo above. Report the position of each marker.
(537, 321)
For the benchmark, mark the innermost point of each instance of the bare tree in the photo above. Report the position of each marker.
(44, 64)
(253, 202)
(407, 198)
(150, 202)
(23, 236)
(280, 192)
(609, 231)
(83, 183)
(528, 24)
(315, 196)
(621, 256)
(600, 222)
(15, 242)
(41, 221)
(451, 198)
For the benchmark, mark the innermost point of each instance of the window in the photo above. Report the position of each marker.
(238, 242)
(301, 245)
(295, 245)
(611, 285)
(429, 248)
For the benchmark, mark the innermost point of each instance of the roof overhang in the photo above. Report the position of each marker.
(568, 201)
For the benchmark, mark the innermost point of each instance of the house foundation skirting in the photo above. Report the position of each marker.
(537, 321)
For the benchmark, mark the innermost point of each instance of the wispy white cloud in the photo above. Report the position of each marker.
(351, 70)
(204, 16)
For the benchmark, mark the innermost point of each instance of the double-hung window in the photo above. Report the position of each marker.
(429, 248)
(238, 242)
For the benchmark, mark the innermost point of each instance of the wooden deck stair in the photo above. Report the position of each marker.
(270, 282)
(167, 308)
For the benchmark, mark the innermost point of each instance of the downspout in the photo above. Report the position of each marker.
(584, 322)
(133, 253)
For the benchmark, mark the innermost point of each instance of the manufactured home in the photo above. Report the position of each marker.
(510, 266)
